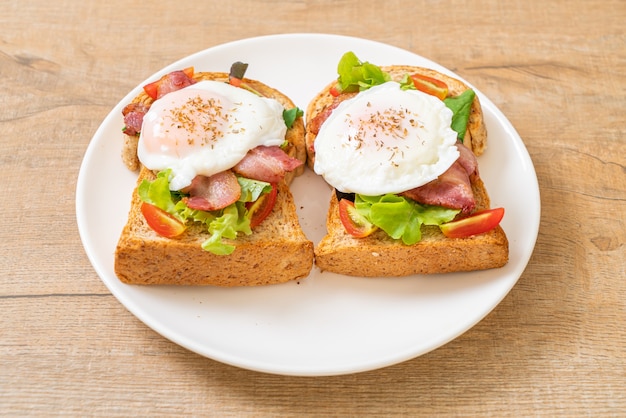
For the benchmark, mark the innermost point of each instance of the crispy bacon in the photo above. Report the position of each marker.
(266, 164)
(173, 81)
(452, 190)
(222, 189)
(467, 159)
(214, 192)
(134, 112)
(133, 117)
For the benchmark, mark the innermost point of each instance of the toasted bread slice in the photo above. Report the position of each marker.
(277, 251)
(378, 255)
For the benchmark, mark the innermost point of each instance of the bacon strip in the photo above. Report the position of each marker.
(173, 81)
(214, 192)
(134, 112)
(452, 190)
(467, 159)
(133, 117)
(266, 164)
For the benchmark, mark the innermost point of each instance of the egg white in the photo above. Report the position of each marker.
(385, 140)
(207, 128)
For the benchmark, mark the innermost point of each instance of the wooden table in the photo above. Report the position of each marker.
(556, 345)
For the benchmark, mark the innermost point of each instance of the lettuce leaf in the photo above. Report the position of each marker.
(252, 189)
(290, 116)
(460, 106)
(407, 83)
(157, 193)
(194, 215)
(355, 75)
(224, 223)
(401, 218)
(231, 222)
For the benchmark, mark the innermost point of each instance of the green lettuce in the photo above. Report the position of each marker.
(407, 83)
(232, 220)
(157, 193)
(461, 107)
(355, 75)
(401, 218)
(251, 189)
(290, 116)
(224, 223)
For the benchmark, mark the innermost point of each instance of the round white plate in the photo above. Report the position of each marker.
(326, 324)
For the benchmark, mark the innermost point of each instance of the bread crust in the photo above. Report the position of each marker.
(378, 255)
(277, 251)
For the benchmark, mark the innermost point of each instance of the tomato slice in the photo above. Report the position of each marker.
(152, 89)
(262, 207)
(430, 85)
(334, 91)
(354, 223)
(478, 223)
(234, 81)
(162, 222)
(189, 71)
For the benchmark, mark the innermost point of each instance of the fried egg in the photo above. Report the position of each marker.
(385, 140)
(207, 128)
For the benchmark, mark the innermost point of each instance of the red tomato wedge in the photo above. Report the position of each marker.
(334, 91)
(152, 89)
(234, 81)
(478, 223)
(430, 85)
(262, 207)
(189, 71)
(162, 222)
(354, 223)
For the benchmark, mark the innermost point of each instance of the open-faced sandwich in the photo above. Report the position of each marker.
(398, 145)
(216, 153)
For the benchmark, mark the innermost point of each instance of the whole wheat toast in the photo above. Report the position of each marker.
(379, 255)
(277, 251)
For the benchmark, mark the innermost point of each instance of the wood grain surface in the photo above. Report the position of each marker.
(555, 346)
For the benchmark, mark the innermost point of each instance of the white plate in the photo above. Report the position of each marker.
(325, 324)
